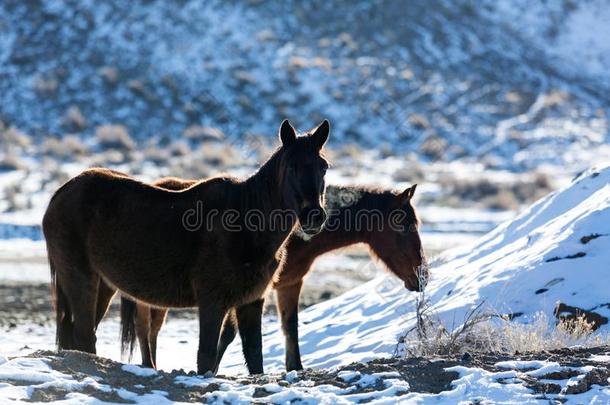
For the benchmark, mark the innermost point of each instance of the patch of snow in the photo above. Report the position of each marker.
(348, 375)
(521, 364)
(291, 376)
(139, 371)
(602, 358)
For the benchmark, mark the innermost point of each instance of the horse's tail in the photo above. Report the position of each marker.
(63, 313)
(129, 311)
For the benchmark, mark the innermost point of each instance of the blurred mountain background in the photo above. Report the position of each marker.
(490, 104)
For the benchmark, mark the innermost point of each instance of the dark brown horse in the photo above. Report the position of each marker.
(384, 220)
(213, 245)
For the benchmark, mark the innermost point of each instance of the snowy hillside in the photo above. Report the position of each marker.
(522, 267)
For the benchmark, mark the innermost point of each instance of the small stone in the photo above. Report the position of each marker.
(466, 357)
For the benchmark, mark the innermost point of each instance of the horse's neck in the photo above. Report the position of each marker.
(328, 241)
(262, 193)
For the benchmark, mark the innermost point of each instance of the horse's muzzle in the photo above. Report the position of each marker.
(312, 219)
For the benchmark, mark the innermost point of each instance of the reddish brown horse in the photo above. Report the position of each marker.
(384, 220)
(213, 245)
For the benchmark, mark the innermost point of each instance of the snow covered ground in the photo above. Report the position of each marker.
(554, 251)
(73, 378)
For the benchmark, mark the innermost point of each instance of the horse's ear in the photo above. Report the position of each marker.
(406, 195)
(287, 133)
(320, 134)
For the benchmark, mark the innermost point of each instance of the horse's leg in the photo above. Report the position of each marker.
(80, 289)
(229, 330)
(288, 308)
(211, 316)
(104, 297)
(249, 318)
(65, 324)
(157, 318)
(143, 316)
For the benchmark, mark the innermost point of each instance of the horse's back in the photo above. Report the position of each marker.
(124, 230)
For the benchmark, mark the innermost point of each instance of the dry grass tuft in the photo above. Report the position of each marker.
(486, 331)
(68, 147)
(114, 137)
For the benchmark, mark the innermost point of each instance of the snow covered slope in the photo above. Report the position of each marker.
(557, 250)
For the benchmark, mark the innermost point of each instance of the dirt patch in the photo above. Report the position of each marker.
(20, 302)
(52, 394)
(588, 238)
(422, 375)
(31, 303)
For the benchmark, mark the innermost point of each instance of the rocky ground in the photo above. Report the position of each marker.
(577, 371)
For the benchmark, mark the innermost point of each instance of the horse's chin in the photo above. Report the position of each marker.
(312, 231)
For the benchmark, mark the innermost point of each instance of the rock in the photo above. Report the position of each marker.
(260, 392)
(596, 376)
(466, 357)
(567, 314)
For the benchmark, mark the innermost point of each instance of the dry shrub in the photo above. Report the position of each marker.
(503, 200)
(106, 158)
(485, 331)
(156, 154)
(114, 137)
(352, 151)
(74, 119)
(15, 198)
(10, 162)
(429, 337)
(434, 147)
(496, 195)
(179, 148)
(192, 169)
(203, 133)
(45, 83)
(540, 334)
(69, 146)
(419, 121)
(218, 156)
(411, 172)
(11, 137)
(109, 74)
(55, 176)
